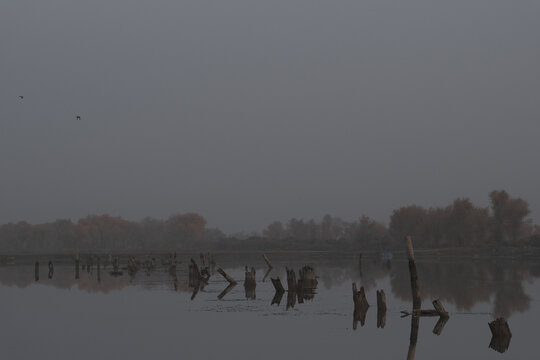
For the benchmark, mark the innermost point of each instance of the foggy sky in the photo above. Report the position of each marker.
(249, 111)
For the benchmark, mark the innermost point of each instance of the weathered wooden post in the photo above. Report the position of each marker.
(36, 271)
(308, 282)
(381, 309)
(279, 290)
(417, 301)
(500, 335)
(226, 290)
(361, 306)
(250, 283)
(51, 269)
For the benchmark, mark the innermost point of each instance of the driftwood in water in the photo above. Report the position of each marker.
(36, 271)
(267, 261)
(226, 276)
(51, 269)
(500, 335)
(361, 306)
(291, 280)
(250, 283)
(437, 311)
(381, 309)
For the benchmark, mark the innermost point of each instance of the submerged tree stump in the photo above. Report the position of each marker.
(381, 309)
(500, 335)
(361, 306)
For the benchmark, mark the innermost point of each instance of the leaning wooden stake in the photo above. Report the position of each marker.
(267, 261)
(277, 284)
(226, 276)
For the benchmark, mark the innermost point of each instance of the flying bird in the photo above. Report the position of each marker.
(21, 97)
(78, 117)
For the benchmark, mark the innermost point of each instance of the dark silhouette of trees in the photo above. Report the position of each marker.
(508, 216)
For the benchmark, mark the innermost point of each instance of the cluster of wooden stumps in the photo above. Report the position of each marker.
(361, 306)
(303, 289)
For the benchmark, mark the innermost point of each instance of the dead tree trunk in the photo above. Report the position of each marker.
(500, 335)
(226, 276)
(361, 306)
(381, 309)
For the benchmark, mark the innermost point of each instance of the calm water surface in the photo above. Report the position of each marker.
(156, 314)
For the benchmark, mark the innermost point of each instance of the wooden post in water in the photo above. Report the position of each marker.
(361, 306)
(291, 280)
(36, 271)
(194, 274)
(417, 301)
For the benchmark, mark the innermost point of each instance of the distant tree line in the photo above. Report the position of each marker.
(459, 225)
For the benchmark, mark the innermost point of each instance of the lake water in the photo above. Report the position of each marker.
(155, 315)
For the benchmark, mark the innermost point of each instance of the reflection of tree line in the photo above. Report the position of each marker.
(463, 283)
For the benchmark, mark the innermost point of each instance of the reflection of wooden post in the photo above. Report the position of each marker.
(203, 260)
(415, 323)
(360, 265)
(226, 290)
(226, 276)
(500, 335)
(194, 274)
(417, 301)
(381, 309)
(277, 284)
(36, 271)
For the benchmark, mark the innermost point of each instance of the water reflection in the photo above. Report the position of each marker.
(462, 283)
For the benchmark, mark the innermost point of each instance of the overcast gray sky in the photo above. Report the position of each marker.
(248, 111)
